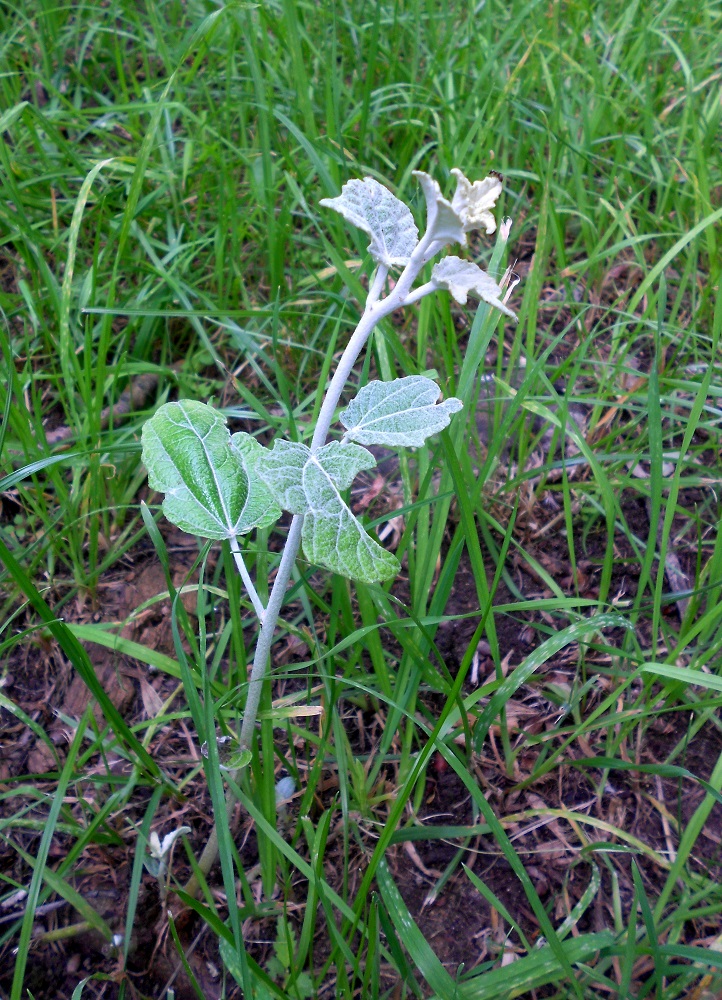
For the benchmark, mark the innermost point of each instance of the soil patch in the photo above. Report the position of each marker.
(543, 818)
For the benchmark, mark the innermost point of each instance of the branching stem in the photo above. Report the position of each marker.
(375, 310)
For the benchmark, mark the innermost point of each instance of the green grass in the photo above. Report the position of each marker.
(160, 173)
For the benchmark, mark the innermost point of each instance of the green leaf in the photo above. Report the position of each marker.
(260, 507)
(275, 967)
(531, 972)
(188, 452)
(285, 945)
(286, 468)
(308, 484)
(684, 675)
(373, 208)
(416, 944)
(304, 985)
(399, 414)
(282, 471)
(332, 537)
(261, 990)
(231, 757)
(342, 462)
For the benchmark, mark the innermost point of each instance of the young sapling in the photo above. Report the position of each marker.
(221, 486)
(157, 860)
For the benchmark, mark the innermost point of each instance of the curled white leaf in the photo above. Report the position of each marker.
(473, 202)
(373, 208)
(462, 277)
(443, 222)
(159, 850)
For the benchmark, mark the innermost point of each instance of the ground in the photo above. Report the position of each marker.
(543, 818)
(572, 827)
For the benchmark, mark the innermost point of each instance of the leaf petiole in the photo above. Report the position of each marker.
(248, 583)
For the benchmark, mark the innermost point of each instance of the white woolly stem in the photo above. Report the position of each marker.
(246, 577)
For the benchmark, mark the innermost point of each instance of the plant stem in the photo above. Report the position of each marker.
(361, 334)
(375, 310)
(268, 618)
(64, 933)
(268, 625)
(247, 581)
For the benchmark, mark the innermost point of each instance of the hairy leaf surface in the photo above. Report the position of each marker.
(398, 414)
(474, 202)
(462, 277)
(332, 536)
(189, 456)
(373, 208)
(443, 223)
(308, 484)
(260, 508)
(470, 208)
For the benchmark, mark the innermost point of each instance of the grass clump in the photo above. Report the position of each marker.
(523, 732)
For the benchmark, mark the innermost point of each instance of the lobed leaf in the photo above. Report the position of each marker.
(460, 277)
(373, 208)
(281, 469)
(189, 456)
(309, 484)
(333, 537)
(342, 462)
(398, 414)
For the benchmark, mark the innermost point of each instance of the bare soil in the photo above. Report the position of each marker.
(463, 929)
(460, 925)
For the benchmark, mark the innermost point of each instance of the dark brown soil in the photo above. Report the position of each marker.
(463, 929)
